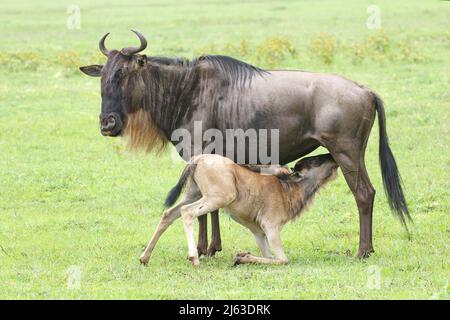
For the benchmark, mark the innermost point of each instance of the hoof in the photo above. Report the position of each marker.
(364, 253)
(143, 261)
(194, 260)
(214, 246)
(212, 251)
(239, 257)
(202, 251)
(237, 261)
(242, 254)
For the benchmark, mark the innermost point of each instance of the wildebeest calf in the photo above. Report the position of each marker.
(262, 203)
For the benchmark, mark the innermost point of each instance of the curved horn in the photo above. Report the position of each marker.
(132, 50)
(101, 45)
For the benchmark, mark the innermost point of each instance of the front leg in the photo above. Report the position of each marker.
(263, 244)
(273, 236)
(245, 258)
(202, 245)
(216, 242)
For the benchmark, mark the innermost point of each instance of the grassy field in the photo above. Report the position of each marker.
(76, 209)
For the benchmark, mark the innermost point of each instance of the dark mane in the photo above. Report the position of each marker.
(300, 193)
(176, 87)
(288, 183)
(167, 61)
(294, 194)
(285, 178)
(239, 72)
(236, 71)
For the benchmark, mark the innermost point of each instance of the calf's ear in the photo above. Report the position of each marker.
(93, 70)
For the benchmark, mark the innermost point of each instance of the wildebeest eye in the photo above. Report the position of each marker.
(141, 60)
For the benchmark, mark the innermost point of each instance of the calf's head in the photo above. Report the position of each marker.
(317, 169)
(122, 84)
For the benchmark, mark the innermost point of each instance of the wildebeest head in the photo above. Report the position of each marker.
(122, 84)
(321, 167)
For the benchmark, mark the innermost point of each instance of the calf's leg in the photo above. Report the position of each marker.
(263, 244)
(168, 217)
(192, 211)
(274, 239)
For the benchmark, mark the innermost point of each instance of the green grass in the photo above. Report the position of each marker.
(70, 197)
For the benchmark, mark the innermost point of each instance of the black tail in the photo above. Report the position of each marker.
(391, 178)
(173, 194)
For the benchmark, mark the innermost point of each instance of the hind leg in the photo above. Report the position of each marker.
(347, 140)
(352, 165)
(365, 196)
(192, 211)
(168, 217)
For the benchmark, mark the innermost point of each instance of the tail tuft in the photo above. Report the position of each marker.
(175, 192)
(173, 195)
(392, 181)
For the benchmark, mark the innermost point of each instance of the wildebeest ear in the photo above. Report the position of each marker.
(298, 174)
(93, 70)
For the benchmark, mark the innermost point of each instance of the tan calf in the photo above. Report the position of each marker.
(262, 203)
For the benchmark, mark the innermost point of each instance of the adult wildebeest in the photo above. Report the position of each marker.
(147, 98)
(262, 203)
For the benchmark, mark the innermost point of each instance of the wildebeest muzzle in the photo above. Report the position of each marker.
(110, 124)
